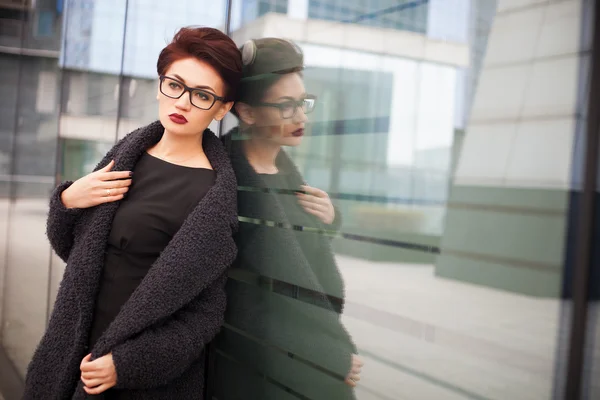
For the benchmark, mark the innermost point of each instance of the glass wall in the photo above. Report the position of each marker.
(446, 149)
(29, 48)
(453, 227)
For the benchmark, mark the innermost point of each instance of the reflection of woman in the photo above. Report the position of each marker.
(143, 290)
(293, 295)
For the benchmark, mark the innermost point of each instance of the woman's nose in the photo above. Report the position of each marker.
(300, 115)
(183, 102)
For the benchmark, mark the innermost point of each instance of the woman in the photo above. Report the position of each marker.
(147, 239)
(285, 291)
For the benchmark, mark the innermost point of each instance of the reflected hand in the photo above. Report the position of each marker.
(354, 374)
(317, 203)
(102, 186)
(98, 375)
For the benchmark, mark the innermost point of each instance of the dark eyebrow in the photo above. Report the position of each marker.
(291, 98)
(197, 87)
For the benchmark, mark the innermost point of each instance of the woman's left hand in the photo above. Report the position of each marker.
(317, 203)
(354, 375)
(98, 375)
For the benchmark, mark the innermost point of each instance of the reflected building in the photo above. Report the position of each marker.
(29, 47)
(393, 80)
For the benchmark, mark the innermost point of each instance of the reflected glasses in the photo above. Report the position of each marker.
(288, 109)
(199, 98)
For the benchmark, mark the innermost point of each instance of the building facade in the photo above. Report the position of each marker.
(451, 135)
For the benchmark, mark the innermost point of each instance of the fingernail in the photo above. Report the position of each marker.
(130, 173)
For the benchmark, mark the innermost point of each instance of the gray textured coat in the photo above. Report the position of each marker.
(158, 338)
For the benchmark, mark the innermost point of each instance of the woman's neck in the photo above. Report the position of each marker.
(178, 148)
(261, 155)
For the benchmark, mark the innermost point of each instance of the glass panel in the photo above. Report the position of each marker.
(31, 25)
(8, 110)
(34, 83)
(91, 58)
(451, 232)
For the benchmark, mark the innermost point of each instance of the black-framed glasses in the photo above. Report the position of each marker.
(288, 109)
(199, 98)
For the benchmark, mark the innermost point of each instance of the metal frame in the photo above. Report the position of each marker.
(586, 211)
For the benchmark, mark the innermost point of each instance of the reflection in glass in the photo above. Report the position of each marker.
(286, 293)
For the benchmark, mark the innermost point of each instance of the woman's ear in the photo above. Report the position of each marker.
(223, 110)
(246, 113)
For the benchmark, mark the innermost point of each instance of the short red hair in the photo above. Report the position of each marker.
(209, 45)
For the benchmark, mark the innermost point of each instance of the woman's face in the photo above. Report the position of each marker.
(180, 116)
(268, 121)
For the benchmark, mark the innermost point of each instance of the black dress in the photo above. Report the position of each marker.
(160, 198)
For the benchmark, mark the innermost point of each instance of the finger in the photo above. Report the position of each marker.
(90, 366)
(355, 377)
(312, 208)
(97, 390)
(325, 202)
(111, 176)
(113, 191)
(85, 362)
(92, 383)
(93, 374)
(313, 199)
(108, 166)
(356, 370)
(115, 184)
(350, 382)
(312, 205)
(317, 213)
(111, 199)
(314, 191)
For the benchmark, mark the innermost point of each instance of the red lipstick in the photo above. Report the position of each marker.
(298, 133)
(178, 119)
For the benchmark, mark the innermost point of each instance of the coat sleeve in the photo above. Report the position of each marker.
(62, 220)
(164, 352)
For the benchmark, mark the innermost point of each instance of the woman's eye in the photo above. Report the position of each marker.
(287, 106)
(174, 85)
(202, 96)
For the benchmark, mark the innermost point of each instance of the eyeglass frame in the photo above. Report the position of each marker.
(280, 106)
(189, 90)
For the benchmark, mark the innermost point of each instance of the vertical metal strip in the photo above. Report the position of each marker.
(585, 230)
(121, 76)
